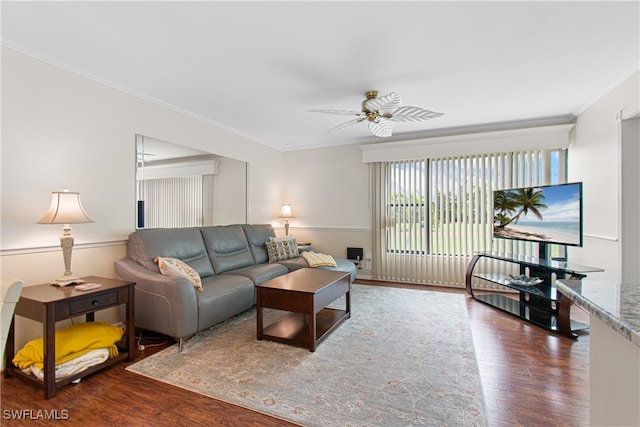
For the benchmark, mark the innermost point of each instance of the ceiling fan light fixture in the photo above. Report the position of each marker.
(372, 94)
(387, 107)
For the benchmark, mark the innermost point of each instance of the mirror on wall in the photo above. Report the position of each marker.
(179, 186)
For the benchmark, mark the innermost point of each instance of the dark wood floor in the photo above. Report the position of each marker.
(530, 378)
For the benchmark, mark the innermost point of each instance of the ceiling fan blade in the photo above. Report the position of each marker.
(413, 114)
(386, 103)
(383, 128)
(346, 125)
(341, 112)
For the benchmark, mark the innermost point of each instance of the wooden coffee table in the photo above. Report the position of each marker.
(305, 294)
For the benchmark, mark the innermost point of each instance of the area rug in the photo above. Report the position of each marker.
(405, 357)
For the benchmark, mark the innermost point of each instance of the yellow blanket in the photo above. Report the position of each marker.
(318, 260)
(71, 342)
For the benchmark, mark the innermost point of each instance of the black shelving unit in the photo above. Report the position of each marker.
(540, 304)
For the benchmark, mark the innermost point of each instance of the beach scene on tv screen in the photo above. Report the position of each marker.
(545, 214)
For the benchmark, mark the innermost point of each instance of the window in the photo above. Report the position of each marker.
(442, 207)
(407, 215)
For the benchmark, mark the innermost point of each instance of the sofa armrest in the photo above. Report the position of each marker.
(165, 304)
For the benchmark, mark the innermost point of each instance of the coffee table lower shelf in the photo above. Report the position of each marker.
(293, 328)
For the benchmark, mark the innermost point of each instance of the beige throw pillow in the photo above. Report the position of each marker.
(175, 267)
(280, 248)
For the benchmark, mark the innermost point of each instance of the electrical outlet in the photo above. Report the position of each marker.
(367, 255)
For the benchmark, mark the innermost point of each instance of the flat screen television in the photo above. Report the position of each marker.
(543, 214)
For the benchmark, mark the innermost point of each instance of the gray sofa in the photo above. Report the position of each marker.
(230, 260)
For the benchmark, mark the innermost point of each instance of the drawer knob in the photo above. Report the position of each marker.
(95, 302)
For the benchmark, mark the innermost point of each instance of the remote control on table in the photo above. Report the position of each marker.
(88, 286)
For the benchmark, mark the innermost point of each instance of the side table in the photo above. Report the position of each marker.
(49, 304)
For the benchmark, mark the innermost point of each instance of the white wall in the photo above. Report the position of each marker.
(328, 190)
(630, 198)
(594, 160)
(327, 187)
(229, 204)
(614, 377)
(63, 130)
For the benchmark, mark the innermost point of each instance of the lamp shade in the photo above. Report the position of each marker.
(285, 211)
(66, 208)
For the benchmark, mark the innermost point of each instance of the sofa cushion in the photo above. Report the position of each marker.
(261, 272)
(294, 264)
(257, 235)
(342, 264)
(223, 296)
(185, 244)
(227, 247)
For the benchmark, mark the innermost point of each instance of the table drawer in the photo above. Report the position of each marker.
(93, 302)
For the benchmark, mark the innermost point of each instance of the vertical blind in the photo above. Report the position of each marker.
(184, 201)
(431, 215)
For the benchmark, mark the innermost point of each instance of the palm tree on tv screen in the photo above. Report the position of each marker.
(524, 200)
(503, 205)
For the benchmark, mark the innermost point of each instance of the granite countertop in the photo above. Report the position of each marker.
(615, 304)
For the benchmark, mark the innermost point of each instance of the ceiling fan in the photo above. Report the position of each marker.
(382, 112)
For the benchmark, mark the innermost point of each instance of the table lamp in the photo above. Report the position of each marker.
(66, 209)
(285, 212)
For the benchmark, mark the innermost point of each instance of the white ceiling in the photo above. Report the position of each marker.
(256, 68)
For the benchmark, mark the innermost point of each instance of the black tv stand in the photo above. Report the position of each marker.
(541, 304)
